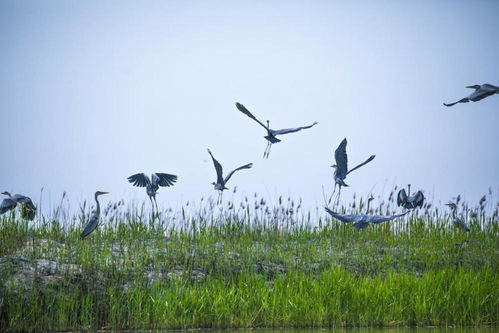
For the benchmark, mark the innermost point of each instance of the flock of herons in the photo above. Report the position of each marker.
(359, 221)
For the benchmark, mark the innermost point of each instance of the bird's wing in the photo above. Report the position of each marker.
(163, 179)
(340, 217)
(7, 204)
(491, 86)
(291, 130)
(463, 100)
(218, 168)
(401, 197)
(91, 226)
(461, 224)
(139, 179)
(363, 163)
(246, 166)
(340, 155)
(28, 209)
(380, 219)
(243, 109)
(418, 199)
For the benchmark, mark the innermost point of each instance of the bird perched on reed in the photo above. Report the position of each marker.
(94, 220)
(152, 185)
(341, 167)
(481, 92)
(219, 185)
(271, 134)
(361, 221)
(28, 209)
(409, 201)
(455, 219)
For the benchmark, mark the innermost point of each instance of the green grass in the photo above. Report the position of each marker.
(251, 266)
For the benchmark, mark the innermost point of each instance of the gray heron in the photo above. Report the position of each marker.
(152, 185)
(409, 201)
(221, 181)
(456, 220)
(28, 209)
(361, 221)
(341, 167)
(481, 91)
(93, 222)
(271, 134)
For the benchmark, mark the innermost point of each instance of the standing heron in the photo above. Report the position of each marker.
(456, 220)
(271, 134)
(93, 222)
(152, 185)
(341, 167)
(28, 209)
(221, 181)
(481, 91)
(361, 221)
(409, 201)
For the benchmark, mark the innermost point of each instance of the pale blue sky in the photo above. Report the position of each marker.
(94, 91)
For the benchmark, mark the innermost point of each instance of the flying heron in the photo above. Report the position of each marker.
(456, 220)
(341, 167)
(481, 91)
(152, 185)
(28, 209)
(361, 221)
(221, 181)
(93, 222)
(409, 201)
(271, 134)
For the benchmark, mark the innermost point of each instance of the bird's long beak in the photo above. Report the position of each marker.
(104, 192)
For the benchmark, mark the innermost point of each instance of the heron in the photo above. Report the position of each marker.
(481, 91)
(361, 221)
(271, 134)
(93, 222)
(221, 181)
(341, 167)
(456, 220)
(28, 209)
(152, 185)
(409, 201)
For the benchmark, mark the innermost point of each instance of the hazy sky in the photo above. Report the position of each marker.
(94, 91)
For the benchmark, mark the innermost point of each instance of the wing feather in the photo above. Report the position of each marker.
(243, 109)
(139, 180)
(246, 166)
(165, 179)
(292, 130)
(218, 169)
(340, 155)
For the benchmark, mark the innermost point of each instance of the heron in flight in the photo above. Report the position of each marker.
(341, 167)
(409, 201)
(271, 134)
(481, 91)
(456, 220)
(221, 181)
(93, 222)
(28, 209)
(361, 221)
(152, 185)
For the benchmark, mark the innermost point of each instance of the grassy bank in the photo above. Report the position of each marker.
(258, 267)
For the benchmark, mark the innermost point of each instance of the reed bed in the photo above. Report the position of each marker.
(248, 265)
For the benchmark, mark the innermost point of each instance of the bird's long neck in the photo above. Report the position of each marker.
(97, 209)
(368, 203)
(454, 212)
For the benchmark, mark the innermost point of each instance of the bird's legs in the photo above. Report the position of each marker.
(332, 194)
(152, 204)
(339, 193)
(156, 204)
(267, 150)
